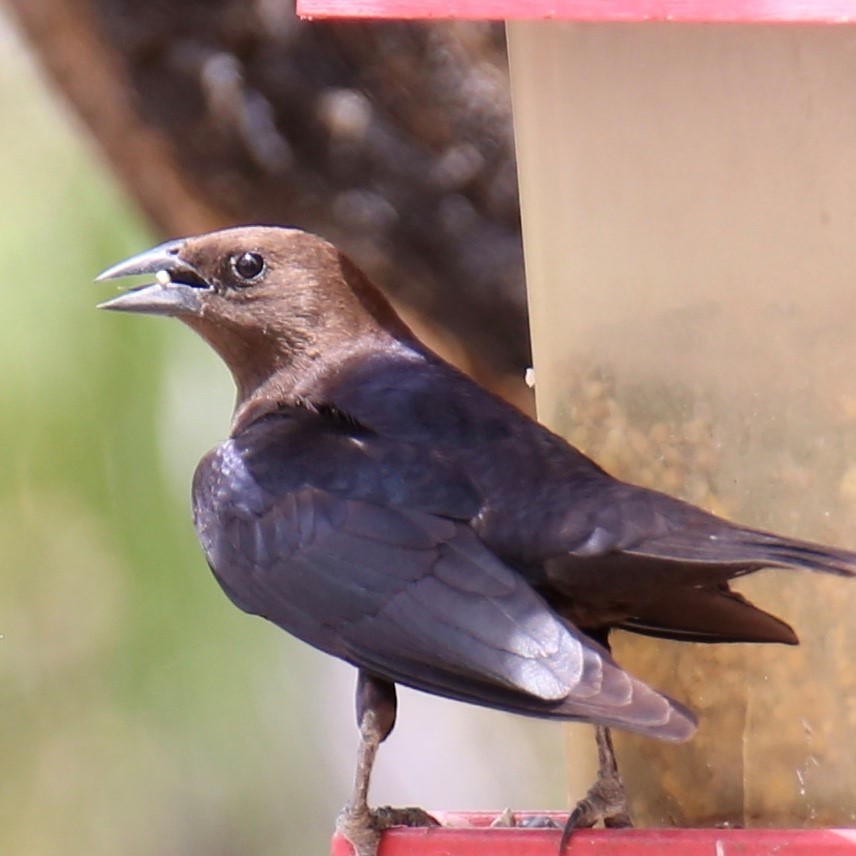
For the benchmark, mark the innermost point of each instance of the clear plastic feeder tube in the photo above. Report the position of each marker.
(689, 214)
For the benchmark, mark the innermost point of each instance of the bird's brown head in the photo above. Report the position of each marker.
(280, 306)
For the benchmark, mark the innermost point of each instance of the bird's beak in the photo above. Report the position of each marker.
(177, 289)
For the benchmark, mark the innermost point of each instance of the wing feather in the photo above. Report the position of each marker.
(412, 596)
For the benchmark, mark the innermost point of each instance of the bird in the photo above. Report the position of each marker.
(380, 505)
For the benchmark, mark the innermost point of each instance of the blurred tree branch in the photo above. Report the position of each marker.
(392, 139)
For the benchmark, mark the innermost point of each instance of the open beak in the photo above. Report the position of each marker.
(177, 289)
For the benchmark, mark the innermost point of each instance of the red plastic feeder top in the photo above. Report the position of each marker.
(698, 11)
(467, 835)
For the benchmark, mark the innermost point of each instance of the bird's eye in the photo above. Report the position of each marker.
(247, 266)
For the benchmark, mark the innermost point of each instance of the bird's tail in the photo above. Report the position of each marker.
(778, 551)
(703, 539)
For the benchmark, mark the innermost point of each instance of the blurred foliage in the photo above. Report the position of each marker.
(122, 667)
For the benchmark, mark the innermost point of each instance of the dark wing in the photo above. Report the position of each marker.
(389, 585)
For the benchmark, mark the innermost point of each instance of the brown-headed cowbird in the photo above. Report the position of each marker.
(380, 505)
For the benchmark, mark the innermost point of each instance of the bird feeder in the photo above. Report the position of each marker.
(688, 189)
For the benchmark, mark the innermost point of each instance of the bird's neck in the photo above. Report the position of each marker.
(305, 379)
(267, 397)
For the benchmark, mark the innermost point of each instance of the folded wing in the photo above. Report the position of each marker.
(411, 596)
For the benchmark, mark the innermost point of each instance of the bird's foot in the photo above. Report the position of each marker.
(363, 826)
(606, 801)
(387, 816)
(357, 824)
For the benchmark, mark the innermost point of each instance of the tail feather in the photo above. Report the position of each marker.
(793, 553)
(707, 614)
(745, 550)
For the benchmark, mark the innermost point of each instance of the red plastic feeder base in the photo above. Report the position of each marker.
(471, 835)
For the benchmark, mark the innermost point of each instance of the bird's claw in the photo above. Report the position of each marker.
(606, 801)
(363, 826)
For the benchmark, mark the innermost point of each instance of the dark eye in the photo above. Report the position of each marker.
(247, 266)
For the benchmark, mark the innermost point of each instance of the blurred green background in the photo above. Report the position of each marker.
(140, 712)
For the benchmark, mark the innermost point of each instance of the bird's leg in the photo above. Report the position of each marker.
(606, 799)
(376, 708)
